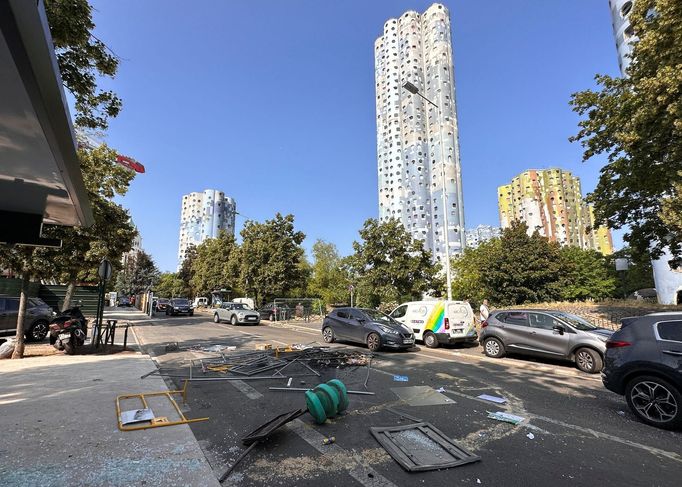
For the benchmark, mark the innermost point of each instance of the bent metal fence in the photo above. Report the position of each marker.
(301, 309)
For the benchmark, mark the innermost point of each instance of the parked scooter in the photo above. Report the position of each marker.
(68, 330)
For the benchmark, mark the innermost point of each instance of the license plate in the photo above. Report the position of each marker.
(458, 330)
(251, 318)
(408, 340)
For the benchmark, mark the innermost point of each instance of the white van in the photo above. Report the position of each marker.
(436, 322)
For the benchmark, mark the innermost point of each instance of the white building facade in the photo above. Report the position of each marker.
(482, 233)
(418, 48)
(204, 215)
(622, 30)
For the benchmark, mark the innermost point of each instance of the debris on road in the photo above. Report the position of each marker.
(302, 389)
(421, 447)
(495, 399)
(400, 378)
(329, 441)
(421, 396)
(506, 417)
(530, 436)
(404, 415)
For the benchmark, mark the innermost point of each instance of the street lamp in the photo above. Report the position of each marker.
(448, 277)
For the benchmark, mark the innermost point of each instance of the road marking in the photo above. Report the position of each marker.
(246, 389)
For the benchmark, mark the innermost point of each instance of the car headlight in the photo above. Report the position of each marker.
(388, 329)
(240, 316)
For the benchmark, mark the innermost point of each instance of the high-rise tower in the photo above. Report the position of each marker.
(418, 48)
(203, 216)
(622, 30)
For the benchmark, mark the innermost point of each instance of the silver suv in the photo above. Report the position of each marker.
(545, 333)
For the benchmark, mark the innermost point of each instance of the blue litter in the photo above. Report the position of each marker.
(400, 378)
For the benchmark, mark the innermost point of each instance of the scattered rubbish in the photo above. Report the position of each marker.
(153, 422)
(622, 413)
(136, 416)
(530, 436)
(329, 441)
(299, 389)
(302, 382)
(172, 347)
(498, 400)
(421, 396)
(264, 346)
(369, 367)
(440, 389)
(326, 400)
(404, 415)
(420, 447)
(506, 417)
(400, 378)
(289, 382)
(478, 481)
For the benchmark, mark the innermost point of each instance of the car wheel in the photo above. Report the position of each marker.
(191, 313)
(328, 334)
(655, 401)
(166, 311)
(493, 348)
(373, 342)
(233, 320)
(430, 340)
(37, 332)
(588, 360)
(216, 318)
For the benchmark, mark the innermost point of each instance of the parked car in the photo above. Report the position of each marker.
(545, 333)
(37, 321)
(124, 302)
(644, 363)
(235, 313)
(161, 304)
(369, 326)
(437, 322)
(274, 311)
(178, 306)
(200, 302)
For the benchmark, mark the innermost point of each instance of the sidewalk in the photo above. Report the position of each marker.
(58, 424)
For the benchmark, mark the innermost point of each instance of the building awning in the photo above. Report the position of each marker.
(39, 170)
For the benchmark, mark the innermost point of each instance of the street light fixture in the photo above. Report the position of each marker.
(448, 276)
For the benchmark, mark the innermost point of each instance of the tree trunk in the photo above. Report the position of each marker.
(70, 291)
(19, 346)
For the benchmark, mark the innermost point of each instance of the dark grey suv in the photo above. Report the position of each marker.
(545, 333)
(644, 363)
(36, 324)
(369, 326)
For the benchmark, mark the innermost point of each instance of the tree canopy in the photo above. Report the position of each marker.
(215, 265)
(636, 121)
(170, 285)
(329, 280)
(138, 275)
(389, 266)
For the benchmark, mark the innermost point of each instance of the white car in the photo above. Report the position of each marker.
(436, 322)
(236, 313)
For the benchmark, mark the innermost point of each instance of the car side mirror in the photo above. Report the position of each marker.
(558, 329)
(360, 320)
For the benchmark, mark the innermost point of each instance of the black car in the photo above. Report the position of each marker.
(178, 306)
(369, 326)
(124, 301)
(37, 320)
(160, 304)
(644, 363)
(274, 312)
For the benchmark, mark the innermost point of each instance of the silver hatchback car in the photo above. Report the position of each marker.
(545, 333)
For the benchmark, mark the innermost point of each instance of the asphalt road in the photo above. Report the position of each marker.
(575, 433)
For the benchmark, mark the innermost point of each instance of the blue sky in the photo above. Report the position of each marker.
(272, 102)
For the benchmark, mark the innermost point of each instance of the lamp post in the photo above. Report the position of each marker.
(448, 277)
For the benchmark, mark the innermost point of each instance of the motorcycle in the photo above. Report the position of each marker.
(68, 330)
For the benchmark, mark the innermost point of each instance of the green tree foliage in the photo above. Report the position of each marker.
(170, 286)
(185, 273)
(215, 265)
(138, 275)
(271, 256)
(389, 266)
(329, 280)
(82, 59)
(469, 272)
(638, 276)
(585, 274)
(636, 121)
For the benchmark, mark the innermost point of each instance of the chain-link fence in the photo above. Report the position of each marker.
(298, 309)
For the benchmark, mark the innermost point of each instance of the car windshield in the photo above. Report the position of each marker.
(163, 300)
(380, 317)
(180, 301)
(575, 321)
(239, 306)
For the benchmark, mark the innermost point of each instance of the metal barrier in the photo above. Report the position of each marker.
(105, 335)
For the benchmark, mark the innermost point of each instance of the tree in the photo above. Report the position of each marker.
(329, 280)
(585, 274)
(82, 58)
(139, 274)
(270, 259)
(638, 276)
(389, 266)
(523, 268)
(637, 122)
(185, 273)
(469, 270)
(215, 265)
(170, 285)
